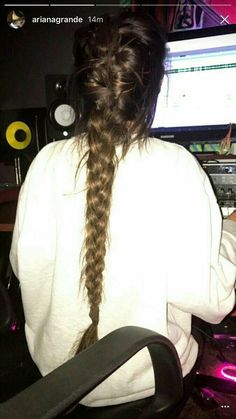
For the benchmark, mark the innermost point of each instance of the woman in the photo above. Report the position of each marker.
(115, 228)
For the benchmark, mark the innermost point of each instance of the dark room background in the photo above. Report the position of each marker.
(27, 56)
(37, 49)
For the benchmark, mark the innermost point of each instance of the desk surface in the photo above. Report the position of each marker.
(8, 203)
(7, 215)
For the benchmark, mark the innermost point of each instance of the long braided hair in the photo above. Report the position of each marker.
(119, 69)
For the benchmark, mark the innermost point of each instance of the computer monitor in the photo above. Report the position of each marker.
(197, 101)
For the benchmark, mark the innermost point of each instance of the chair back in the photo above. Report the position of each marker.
(56, 393)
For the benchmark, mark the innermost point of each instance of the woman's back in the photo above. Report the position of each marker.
(151, 277)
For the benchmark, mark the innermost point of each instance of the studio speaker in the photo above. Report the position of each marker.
(22, 135)
(60, 115)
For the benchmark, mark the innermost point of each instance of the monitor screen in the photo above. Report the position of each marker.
(197, 101)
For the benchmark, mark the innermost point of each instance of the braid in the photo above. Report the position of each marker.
(113, 91)
(101, 163)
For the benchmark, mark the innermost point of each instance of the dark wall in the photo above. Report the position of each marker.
(37, 49)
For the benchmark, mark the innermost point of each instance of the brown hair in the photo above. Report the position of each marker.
(119, 69)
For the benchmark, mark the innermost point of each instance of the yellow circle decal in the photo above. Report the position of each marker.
(11, 135)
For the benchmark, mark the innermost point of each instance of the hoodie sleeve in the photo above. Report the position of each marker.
(201, 276)
(33, 242)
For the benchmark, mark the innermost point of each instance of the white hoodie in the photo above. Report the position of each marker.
(167, 258)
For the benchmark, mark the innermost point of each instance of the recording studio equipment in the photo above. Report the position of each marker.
(60, 115)
(223, 176)
(22, 135)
